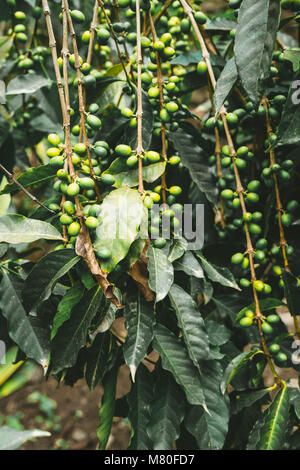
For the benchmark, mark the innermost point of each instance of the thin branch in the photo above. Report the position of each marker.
(160, 82)
(158, 16)
(239, 188)
(33, 198)
(93, 33)
(115, 38)
(279, 207)
(139, 113)
(81, 98)
(84, 246)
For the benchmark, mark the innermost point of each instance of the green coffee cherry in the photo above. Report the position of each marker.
(152, 156)
(69, 207)
(202, 67)
(86, 182)
(159, 242)
(237, 258)
(123, 150)
(286, 219)
(245, 322)
(65, 219)
(103, 253)
(77, 16)
(80, 149)
(227, 194)
(107, 179)
(73, 189)
(132, 161)
(57, 162)
(258, 285)
(74, 229)
(266, 328)
(274, 348)
(91, 222)
(273, 318)
(281, 357)
(53, 152)
(175, 190)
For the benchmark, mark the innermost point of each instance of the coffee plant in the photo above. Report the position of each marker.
(120, 121)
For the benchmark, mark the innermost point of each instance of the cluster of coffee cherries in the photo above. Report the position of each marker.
(29, 58)
(268, 327)
(257, 177)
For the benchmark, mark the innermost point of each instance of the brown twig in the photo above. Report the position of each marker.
(158, 16)
(279, 207)
(160, 83)
(93, 28)
(81, 100)
(84, 247)
(239, 187)
(139, 112)
(115, 38)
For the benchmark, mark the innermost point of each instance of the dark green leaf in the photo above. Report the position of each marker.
(176, 360)
(71, 298)
(107, 408)
(254, 43)
(291, 292)
(97, 358)
(191, 324)
(140, 319)
(272, 433)
(194, 159)
(293, 55)
(71, 336)
(29, 333)
(288, 129)
(45, 274)
(139, 400)
(188, 264)
(218, 333)
(218, 274)
(34, 175)
(220, 24)
(161, 272)
(210, 428)
(242, 400)
(166, 412)
(177, 249)
(235, 366)
(225, 83)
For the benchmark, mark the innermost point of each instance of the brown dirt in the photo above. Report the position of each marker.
(80, 433)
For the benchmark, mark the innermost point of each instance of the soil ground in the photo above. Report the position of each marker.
(78, 409)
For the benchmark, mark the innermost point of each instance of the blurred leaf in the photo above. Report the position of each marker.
(28, 83)
(12, 439)
(16, 229)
